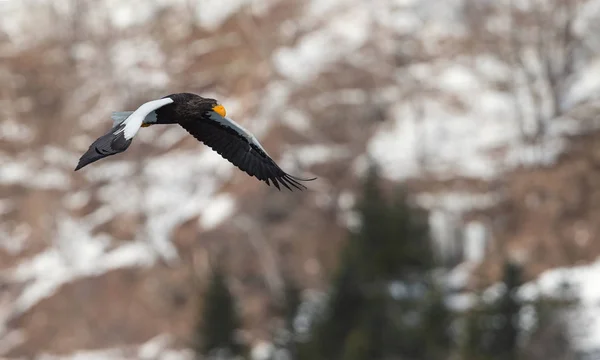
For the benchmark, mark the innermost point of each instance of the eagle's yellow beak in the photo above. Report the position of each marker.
(219, 109)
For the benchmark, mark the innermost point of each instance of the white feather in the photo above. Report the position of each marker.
(135, 120)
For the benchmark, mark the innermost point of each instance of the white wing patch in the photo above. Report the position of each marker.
(136, 119)
(237, 127)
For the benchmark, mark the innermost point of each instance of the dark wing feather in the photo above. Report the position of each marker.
(239, 151)
(111, 143)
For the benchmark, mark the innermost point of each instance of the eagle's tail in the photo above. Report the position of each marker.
(119, 116)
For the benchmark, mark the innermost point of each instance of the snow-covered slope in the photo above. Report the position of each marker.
(326, 85)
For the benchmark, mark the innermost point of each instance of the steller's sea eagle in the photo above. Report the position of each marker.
(203, 118)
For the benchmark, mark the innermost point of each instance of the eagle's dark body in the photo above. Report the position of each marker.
(205, 120)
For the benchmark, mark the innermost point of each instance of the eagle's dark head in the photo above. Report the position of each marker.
(187, 106)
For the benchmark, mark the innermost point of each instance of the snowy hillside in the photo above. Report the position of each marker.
(439, 93)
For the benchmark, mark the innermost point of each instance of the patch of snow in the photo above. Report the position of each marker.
(458, 78)
(317, 9)
(153, 347)
(492, 68)
(275, 98)
(132, 254)
(585, 86)
(350, 219)
(173, 197)
(340, 97)
(130, 13)
(13, 131)
(585, 281)
(156, 348)
(297, 120)
(13, 25)
(75, 254)
(458, 202)
(27, 173)
(458, 276)
(324, 47)
(109, 171)
(444, 227)
(170, 137)
(396, 148)
(565, 126)
(310, 155)
(346, 200)
(217, 210)
(475, 241)
(303, 61)
(100, 215)
(347, 216)
(455, 140)
(451, 135)
(139, 63)
(544, 154)
(461, 301)
(262, 351)
(312, 305)
(585, 23)
(493, 293)
(99, 113)
(53, 155)
(398, 16)
(76, 200)
(13, 236)
(49, 178)
(85, 51)
(104, 354)
(211, 16)
(582, 284)
(13, 172)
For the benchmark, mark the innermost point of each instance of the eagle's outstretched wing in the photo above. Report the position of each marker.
(240, 147)
(120, 136)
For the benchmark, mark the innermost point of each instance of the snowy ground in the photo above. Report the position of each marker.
(584, 279)
(156, 348)
(455, 142)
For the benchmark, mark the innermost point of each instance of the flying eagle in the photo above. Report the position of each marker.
(205, 119)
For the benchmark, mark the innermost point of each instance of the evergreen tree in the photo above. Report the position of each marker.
(506, 327)
(474, 340)
(215, 333)
(365, 317)
(393, 241)
(550, 338)
(341, 315)
(286, 338)
(435, 327)
(492, 330)
(293, 299)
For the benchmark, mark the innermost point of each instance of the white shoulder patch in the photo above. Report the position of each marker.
(135, 120)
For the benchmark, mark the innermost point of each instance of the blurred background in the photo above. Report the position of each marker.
(456, 213)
